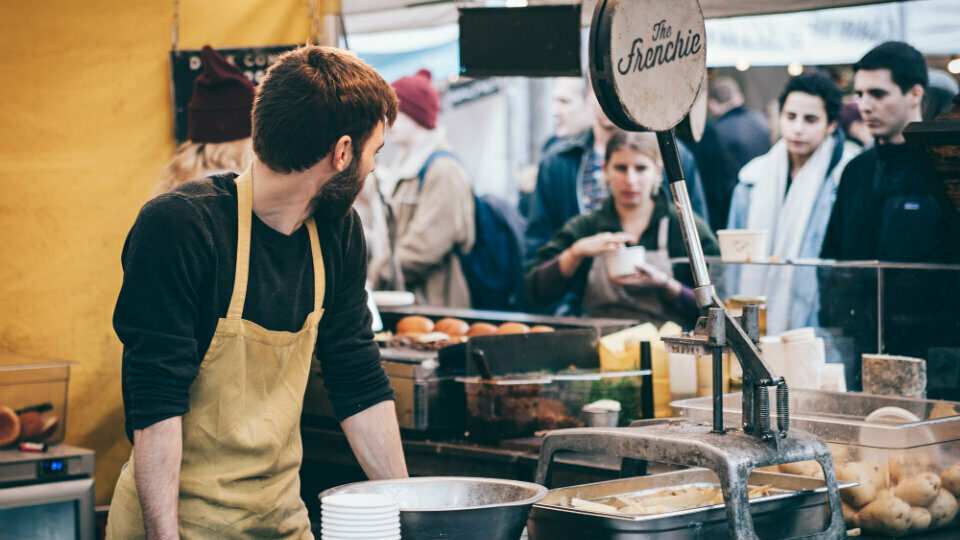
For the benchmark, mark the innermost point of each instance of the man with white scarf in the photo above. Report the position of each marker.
(790, 191)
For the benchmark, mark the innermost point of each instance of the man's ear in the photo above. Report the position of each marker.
(832, 127)
(916, 95)
(342, 153)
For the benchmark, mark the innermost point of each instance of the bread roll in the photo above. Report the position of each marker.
(541, 328)
(414, 325)
(9, 426)
(31, 425)
(482, 329)
(452, 327)
(513, 328)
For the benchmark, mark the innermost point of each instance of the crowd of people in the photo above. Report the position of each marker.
(836, 182)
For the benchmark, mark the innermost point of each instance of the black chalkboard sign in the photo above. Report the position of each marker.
(534, 41)
(186, 66)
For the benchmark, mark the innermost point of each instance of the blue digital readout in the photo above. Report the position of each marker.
(54, 466)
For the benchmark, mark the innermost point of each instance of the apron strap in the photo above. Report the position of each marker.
(662, 233)
(319, 272)
(244, 223)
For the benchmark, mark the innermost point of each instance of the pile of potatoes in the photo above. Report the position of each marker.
(916, 501)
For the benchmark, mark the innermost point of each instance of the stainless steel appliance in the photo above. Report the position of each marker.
(428, 396)
(794, 507)
(47, 494)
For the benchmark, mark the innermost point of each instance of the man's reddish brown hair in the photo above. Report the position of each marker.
(310, 98)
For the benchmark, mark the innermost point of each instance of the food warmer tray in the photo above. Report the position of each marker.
(797, 507)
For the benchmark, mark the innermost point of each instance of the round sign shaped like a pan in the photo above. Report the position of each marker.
(647, 61)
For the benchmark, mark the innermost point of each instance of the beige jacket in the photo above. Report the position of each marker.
(431, 223)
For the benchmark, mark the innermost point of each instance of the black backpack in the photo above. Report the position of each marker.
(494, 267)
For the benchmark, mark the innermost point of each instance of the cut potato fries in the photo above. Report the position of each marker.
(667, 500)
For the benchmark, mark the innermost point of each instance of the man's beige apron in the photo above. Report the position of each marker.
(604, 299)
(239, 476)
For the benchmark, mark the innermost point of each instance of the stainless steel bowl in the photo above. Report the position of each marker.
(453, 507)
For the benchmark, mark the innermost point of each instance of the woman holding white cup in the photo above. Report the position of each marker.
(614, 262)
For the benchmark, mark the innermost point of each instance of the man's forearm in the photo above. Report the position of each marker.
(374, 437)
(157, 453)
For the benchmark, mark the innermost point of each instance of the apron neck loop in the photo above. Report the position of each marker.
(244, 224)
(662, 233)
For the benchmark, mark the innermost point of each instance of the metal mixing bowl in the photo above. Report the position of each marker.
(454, 507)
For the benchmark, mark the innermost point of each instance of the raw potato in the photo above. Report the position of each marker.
(850, 517)
(919, 518)
(863, 475)
(919, 490)
(889, 515)
(905, 466)
(943, 509)
(803, 468)
(950, 479)
(885, 493)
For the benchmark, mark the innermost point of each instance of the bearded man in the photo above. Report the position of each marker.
(231, 285)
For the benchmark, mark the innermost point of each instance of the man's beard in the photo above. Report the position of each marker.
(334, 199)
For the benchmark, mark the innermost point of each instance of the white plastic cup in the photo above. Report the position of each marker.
(625, 262)
(743, 245)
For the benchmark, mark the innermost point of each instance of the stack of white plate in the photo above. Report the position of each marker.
(359, 516)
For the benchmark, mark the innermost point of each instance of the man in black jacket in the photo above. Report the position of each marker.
(885, 210)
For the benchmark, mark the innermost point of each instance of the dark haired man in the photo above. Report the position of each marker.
(885, 209)
(789, 191)
(229, 290)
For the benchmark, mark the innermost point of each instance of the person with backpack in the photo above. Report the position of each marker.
(432, 205)
(637, 212)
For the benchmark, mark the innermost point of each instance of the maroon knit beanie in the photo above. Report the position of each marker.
(219, 109)
(849, 114)
(418, 98)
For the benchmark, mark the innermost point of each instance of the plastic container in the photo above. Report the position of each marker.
(503, 408)
(37, 392)
(876, 442)
(563, 400)
(743, 245)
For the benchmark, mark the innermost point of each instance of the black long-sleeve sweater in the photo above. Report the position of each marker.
(179, 263)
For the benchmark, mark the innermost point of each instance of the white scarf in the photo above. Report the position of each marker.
(785, 217)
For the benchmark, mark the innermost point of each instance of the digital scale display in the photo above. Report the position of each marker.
(53, 466)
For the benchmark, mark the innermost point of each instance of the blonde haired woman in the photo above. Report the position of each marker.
(637, 212)
(218, 125)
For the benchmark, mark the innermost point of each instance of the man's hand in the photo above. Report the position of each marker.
(648, 278)
(374, 437)
(157, 451)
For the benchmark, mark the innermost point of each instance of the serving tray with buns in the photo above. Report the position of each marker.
(425, 349)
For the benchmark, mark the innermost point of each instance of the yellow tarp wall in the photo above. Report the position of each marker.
(86, 124)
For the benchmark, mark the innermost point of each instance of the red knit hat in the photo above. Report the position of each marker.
(219, 109)
(418, 98)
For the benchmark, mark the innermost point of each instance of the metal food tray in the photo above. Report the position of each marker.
(798, 507)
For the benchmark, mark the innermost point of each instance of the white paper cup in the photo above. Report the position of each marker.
(625, 261)
(743, 245)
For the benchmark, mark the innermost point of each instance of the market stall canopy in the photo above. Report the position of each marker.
(367, 16)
